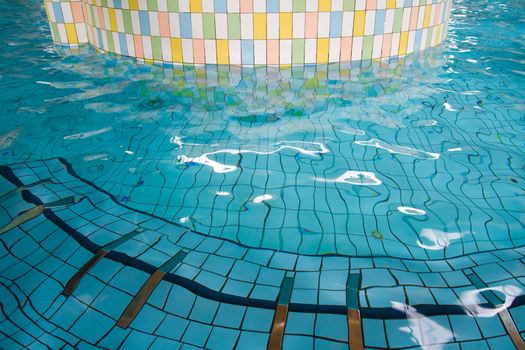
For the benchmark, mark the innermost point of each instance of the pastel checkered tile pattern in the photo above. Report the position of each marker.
(251, 32)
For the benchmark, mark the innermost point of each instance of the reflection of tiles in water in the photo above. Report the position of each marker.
(217, 272)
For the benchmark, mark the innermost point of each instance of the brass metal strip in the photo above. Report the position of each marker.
(137, 303)
(73, 283)
(23, 217)
(510, 326)
(140, 299)
(277, 332)
(355, 330)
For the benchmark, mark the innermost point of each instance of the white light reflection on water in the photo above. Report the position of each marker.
(419, 325)
(225, 168)
(472, 300)
(439, 240)
(396, 149)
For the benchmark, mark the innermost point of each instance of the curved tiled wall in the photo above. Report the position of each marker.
(249, 32)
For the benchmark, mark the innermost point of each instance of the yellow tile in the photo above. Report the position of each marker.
(390, 4)
(426, 20)
(176, 50)
(134, 4)
(71, 33)
(403, 43)
(359, 23)
(259, 26)
(113, 19)
(322, 50)
(195, 6)
(223, 54)
(326, 5)
(285, 25)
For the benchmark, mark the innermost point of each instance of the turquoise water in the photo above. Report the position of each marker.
(391, 191)
(422, 158)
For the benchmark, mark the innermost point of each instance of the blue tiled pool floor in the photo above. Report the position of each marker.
(223, 295)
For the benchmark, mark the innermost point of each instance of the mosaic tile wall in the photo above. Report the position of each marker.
(247, 32)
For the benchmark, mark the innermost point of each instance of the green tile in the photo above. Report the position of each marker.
(126, 16)
(368, 45)
(234, 26)
(156, 48)
(299, 5)
(173, 5)
(111, 43)
(348, 5)
(298, 51)
(152, 5)
(208, 22)
(398, 20)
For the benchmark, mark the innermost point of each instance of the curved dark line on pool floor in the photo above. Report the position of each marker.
(203, 291)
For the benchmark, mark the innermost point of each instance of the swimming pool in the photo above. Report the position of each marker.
(370, 204)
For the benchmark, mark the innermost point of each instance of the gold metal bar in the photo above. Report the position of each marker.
(23, 217)
(140, 299)
(72, 284)
(355, 330)
(277, 332)
(510, 326)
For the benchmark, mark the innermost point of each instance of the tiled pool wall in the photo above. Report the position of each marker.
(249, 32)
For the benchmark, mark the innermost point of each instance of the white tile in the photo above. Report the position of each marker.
(246, 26)
(143, 4)
(310, 50)
(221, 26)
(370, 20)
(210, 51)
(272, 26)
(184, 6)
(405, 24)
(348, 23)
(298, 22)
(285, 51)
(81, 33)
(187, 51)
(337, 5)
(311, 5)
(259, 6)
(154, 23)
(395, 44)
(131, 44)
(135, 22)
(66, 12)
(162, 5)
(233, 6)
(235, 51)
(165, 44)
(284, 5)
(389, 21)
(174, 25)
(411, 41)
(259, 51)
(377, 46)
(357, 48)
(120, 20)
(146, 45)
(334, 52)
(196, 26)
(323, 25)
(207, 6)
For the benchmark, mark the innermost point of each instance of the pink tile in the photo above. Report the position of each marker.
(387, 44)
(101, 18)
(272, 51)
(370, 4)
(437, 15)
(413, 17)
(310, 30)
(77, 10)
(246, 6)
(198, 51)
(139, 50)
(164, 24)
(346, 49)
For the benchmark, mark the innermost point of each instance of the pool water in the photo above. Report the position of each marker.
(420, 158)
